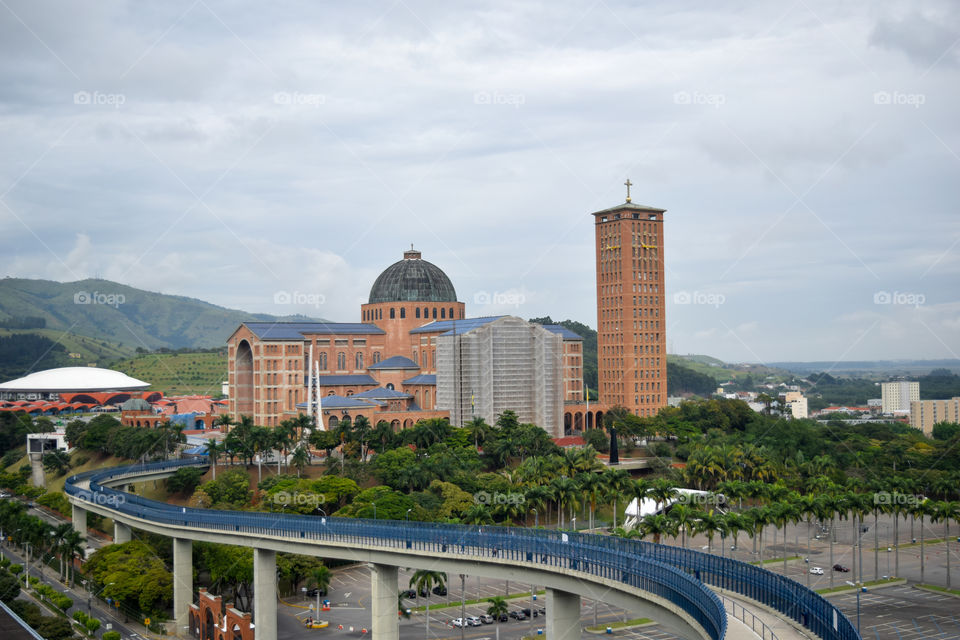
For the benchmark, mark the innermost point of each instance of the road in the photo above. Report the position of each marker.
(82, 599)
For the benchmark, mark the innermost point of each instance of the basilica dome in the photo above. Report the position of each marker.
(412, 280)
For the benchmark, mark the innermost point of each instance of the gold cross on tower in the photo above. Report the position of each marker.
(628, 185)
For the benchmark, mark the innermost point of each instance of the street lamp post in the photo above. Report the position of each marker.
(536, 519)
(406, 516)
(374, 510)
(858, 603)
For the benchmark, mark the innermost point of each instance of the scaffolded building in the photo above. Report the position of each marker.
(486, 366)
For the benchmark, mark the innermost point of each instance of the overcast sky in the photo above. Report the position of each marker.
(807, 153)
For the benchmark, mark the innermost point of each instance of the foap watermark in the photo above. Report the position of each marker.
(905, 298)
(897, 499)
(96, 98)
(702, 499)
(514, 100)
(501, 298)
(298, 499)
(715, 100)
(102, 499)
(110, 299)
(699, 297)
(297, 99)
(498, 498)
(915, 100)
(299, 298)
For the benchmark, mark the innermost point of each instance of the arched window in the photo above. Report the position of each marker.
(323, 361)
(426, 312)
(451, 312)
(359, 360)
(341, 361)
(434, 313)
(443, 313)
(416, 357)
(376, 357)
(416, 398)
(403, 312)
(418, 312)
(433, 358)
(390, 386)
(393, 313)
(426, 398)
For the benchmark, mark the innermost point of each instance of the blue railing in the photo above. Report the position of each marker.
(675, 574)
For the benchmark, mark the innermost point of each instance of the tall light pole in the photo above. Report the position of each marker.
(463, 600)
(374, 510)
(406, 516)
(858, 603)
(536, 519)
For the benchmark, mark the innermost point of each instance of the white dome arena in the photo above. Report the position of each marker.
(67, 379)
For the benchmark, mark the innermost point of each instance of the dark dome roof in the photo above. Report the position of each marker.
(412, 280)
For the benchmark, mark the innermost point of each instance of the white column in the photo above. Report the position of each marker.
(265, 594)
(121, 533)
(386, 623)
(182, 581)
(563, 615)
(80, 521)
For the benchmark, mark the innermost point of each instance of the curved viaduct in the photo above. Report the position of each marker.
(664, 583)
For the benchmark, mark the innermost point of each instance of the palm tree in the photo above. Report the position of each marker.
(711, 523)
(362, 428)
(72, 547)
(477, 514)
(213, 450)
(320, 578)
(479, 429)
(498, 607)
(945, 512)
(424, 580)
(300, 459)
(661, 491)
(591, 484)
(565, 492)
(59, 536)
(616, 482)
(684, 516)
(924, 508)
(657, 525)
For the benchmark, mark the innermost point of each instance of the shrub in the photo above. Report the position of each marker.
(110, 635)
(92, 624)
(16, 569)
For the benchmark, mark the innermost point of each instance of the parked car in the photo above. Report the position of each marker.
(473, 621)
(423, 592)
(313, 592)
(486, 618)
(518, 615)
(816, 571)
(840, 567)
(503, 618)
(457, 622)
(440, 590)
(528, 613)
(409, 593)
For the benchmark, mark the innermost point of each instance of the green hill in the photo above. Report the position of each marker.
(118, 314)
(100, 322)
(188, 373)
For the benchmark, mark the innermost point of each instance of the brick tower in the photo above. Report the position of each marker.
(631, 312)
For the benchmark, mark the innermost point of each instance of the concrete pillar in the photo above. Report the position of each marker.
(182, 581)
(265, 594)
(563, 615)
(386, 623)
(80, 521)
(121, 533)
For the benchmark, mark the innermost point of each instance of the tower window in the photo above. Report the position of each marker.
(403, 312)
(418, 312)
(443, 313)
(434, 313)
(393, 313)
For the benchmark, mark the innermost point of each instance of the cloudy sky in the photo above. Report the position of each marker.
(807, 153)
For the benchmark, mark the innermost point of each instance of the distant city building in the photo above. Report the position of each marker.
(926, 413)
(631, 310)
(798, 408)
(897, 396)
(875, 402)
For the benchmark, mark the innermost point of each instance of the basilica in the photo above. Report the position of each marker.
(414, 355)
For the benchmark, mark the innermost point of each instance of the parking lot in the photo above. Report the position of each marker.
(903, 613)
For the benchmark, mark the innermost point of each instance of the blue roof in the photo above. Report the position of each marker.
(462, 326)
(345, 402)
(360, 379)
(381, 394)
(197, 451)
(396, 362)
(296, 330)
(563, 331)
(423, 378)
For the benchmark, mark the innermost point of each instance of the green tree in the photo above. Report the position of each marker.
(424, 580)
(498, 607)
